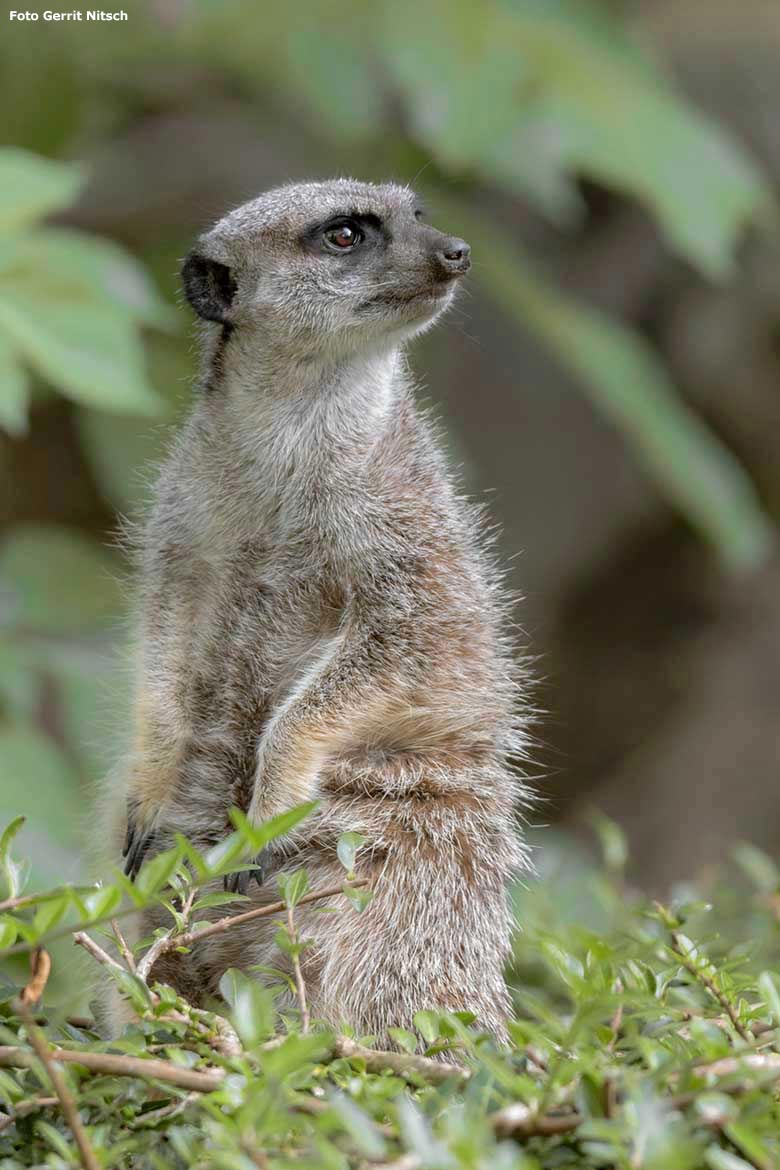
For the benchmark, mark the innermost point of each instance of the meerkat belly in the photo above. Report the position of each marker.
(241, 644)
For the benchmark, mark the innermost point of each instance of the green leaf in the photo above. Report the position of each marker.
(428, 1025)
(359, 897)
(404, 1039)
(37, 781)
(769, 986)
(612, 839)
(87, 593)
(361, 1128)
(64, 264)
(90, 351)
(155, 873)
(292, 886)
(225, 856)
(7, 837)
(720, 1159)
(209, 900)
(258, 836)
(324, 65)
(132, 988)
(347, 848)
(749, 1143)
(252, 1007)
(31, 187)
(760, 868)
(630, 386)
(55, 1140)
(14, 392)
(49, 914)
(535, 93)
(102, 902)
(7, 932)
(120, 451)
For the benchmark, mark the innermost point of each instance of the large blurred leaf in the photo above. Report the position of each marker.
(533, 92)
(57, 581)
(630, 385)
(88, 349)
(70, 304)
(14, 392)
(31, 187)
(37, 781)
(122, 453)
(61, 262)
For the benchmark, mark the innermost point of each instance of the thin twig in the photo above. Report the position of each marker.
(201, 1081)
(257, 1157)
(690, 965)
(82, 939)
(172, 1109)
(40, 966)
(405, 1162)
(768, 1062)
(519, 1120)
(17, 902)
(171, 942)
(617, 1020)
(166, 942)
(22, 1108)
(300, 986)
(68, 1105)
(403, 1064)
(121, 942)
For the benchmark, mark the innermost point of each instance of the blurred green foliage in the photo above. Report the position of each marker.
(647, 1036)
(70, 303)
(502, 100)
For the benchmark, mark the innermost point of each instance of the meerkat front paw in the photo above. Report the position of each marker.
(137, 842)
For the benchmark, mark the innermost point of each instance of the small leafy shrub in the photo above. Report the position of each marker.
(646, 1035)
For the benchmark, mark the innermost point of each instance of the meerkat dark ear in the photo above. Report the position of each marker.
(209, 287)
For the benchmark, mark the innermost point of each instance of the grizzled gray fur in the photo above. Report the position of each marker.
(319, 617)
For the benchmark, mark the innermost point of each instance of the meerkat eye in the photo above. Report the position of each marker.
(343, 236)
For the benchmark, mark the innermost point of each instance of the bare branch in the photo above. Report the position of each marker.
(519, 1120)
(200, 1081)
(22, 1108)
(766, 1062)
(38, 1041)
(403, 1064)
(121, 942)
(153, 1116)
(40, 966)
(82, 939)
(19, 901)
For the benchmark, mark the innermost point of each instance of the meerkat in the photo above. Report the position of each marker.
(321, 617)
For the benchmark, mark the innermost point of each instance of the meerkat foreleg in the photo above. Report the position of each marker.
(342, 701)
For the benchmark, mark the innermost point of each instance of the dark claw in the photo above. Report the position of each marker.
(137, 842)
(238, 883)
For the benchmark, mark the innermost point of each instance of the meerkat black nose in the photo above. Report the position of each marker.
(454, 256)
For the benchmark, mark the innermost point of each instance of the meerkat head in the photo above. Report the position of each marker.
(338, 265)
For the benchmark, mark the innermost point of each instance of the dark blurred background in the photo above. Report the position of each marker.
(610, 381)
